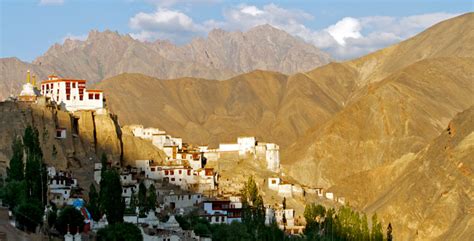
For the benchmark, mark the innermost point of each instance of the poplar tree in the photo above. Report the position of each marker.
(151, 198)
(110, 196)
(142, 198)
(16, 170)
(93, 205)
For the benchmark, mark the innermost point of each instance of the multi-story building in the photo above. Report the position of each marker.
(72, 94)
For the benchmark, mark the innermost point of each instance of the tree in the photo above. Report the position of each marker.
(104, 163)
(389, 232)
(51, 217)
(93, 205)
(120, 232)
(29, 215)
(110, 196)
(72, 217)
(35, 170)
(151, 198)
(142, 197)
(253, 215)
(376, 234)
(14, 193)
(17, 168)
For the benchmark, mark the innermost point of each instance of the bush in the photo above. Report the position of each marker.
(69, 215)
(120, 232)
(29, 215)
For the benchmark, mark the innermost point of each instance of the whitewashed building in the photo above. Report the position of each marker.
(72, 94)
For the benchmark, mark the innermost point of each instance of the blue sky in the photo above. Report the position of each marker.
(345, 29)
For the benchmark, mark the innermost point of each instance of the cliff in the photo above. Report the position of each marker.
(88, 135)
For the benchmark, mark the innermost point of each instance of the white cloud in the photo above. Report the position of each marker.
(51, 2)
(165, 23)
(169, 3)
(348, 38)
(346, 28)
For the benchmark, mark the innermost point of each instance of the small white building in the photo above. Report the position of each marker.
(246, 145)
(273, 183)
(272, 156)
(182, 200)
(329, 195)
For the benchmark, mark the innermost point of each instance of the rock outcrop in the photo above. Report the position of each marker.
(88, 136)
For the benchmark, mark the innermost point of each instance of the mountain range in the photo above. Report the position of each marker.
(341, 124)
(219, 56)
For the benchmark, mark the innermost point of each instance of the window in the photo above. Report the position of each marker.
(171, 172)
(274, 181)
(180, 172)
(81, 97)
(152, 169)
(91, 96)
(97, 96)
(166, 172)
(74, 85)
(189, 172)
(172, 179)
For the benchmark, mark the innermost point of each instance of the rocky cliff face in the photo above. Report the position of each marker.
(88, 135)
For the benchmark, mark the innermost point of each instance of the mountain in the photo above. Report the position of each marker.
(269, 105)
(426, 195)
(398, 115)
(219, 56)
(274, 107)
(13, 75)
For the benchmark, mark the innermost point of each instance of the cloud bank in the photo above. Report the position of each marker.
(347, 38)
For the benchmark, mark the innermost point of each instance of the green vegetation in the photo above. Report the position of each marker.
(151, 198)
(26, 182)
(93, 205)
(343, 224)
(120, 232)
(111, 202)
(69, 216)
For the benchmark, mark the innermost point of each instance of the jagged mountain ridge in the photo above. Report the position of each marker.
(219, 56)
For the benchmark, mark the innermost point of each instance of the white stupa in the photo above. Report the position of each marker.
(28, 93)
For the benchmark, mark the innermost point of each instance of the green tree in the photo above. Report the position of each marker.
(29, 215)
(17, 168)
(104, 163)
(253, 210)
(376, 232)
(69, 216)
(110, 196)
(35, 170)
(142, 197)
(51, 217)
(93, 205)
(120, 232)
(151, 198)
(14, 193)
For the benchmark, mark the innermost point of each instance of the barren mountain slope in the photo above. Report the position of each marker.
(400, 114)
(428, 195)
(451, 38)
(269, 105)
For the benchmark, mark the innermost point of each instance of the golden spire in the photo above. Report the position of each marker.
(34, 80)
(28, 76)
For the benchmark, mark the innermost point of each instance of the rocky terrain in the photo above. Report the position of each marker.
(219, 56)
(426, 195)
(88, 135)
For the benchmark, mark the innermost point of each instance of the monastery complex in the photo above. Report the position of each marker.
(184, 181)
